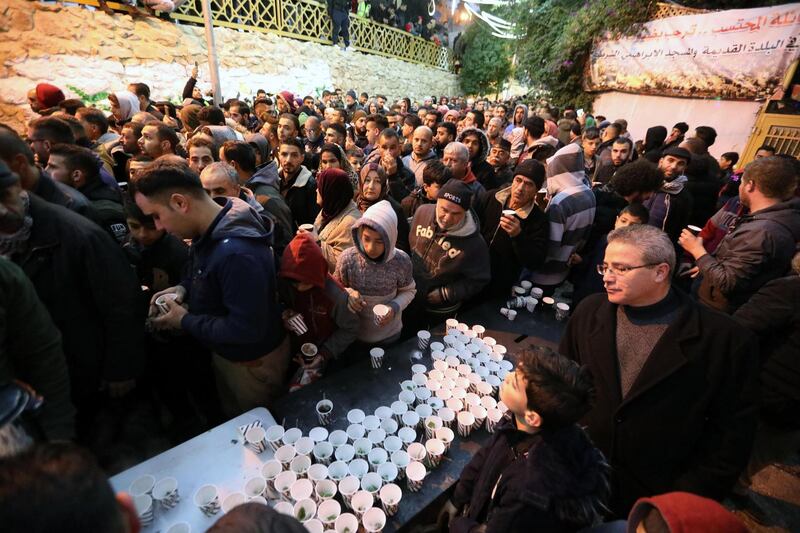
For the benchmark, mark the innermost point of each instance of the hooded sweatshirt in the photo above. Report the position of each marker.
(455, 262)
(387, 280)
(653, 140)
(570, 213)
(332, 327)
(231, 287)
(512, 125)
(684, 512)
(483, 171)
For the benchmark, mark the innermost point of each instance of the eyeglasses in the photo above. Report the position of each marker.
(620, 270)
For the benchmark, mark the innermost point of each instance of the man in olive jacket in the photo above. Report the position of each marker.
(676, 382)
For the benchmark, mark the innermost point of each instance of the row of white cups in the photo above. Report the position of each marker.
(365, 463)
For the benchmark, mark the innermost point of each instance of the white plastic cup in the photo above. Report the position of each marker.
(388, 472)
(301, 489)
(374, 520)
(319, 434)
(180, 527)
(309, 351)
(390, 495)
(446, 435)
(465, 422)
(304, 446)
(355, 432)
(423, 339)
(144, 508)
(314, 526)
(362, 447)
(142, 485)
(348, 487)
(283, 483)
(435, 449)
(356, 416)
(232, 500)
(269, 471)
(297, 324)
(479, 412)
(317, 472)
(324, 412)
(562, 311)
(346, 523)
(547, 302)
(345, 453)
(383, 412)
(376, 457)
(371, 422)
(358, 468)
(379, 312)
(417, 451)
(328, 511)
(432, 423)
(207, 499)
(389, 426)
(274, 436)
(323, 452)
(304, 510)
(376, 357)
(493, 416)
(255, 486)
(291, 436)
(325, 490)
(284, 508)
(537, 293)
(300, 465)
(361, 502)
(392, 443)
(512, 314)
(410, 419)
(694, 229)
(407, 435)
(372, 483)
(415, 475)
(338, 470)
(398, 408)
(337, 438)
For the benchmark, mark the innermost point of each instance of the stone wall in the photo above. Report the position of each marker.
(89, 50)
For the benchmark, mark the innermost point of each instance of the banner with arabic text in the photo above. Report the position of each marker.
(740, 54)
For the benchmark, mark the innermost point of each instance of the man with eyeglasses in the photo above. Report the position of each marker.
(675, 382)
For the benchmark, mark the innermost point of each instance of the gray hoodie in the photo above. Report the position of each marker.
(265, 186)
(388, 280)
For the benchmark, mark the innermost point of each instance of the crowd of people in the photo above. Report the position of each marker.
(185, 255)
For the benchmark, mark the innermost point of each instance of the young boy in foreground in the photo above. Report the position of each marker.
(540, 472)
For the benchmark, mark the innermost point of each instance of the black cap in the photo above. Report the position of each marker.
(677, 151)
(533, 170)
(456, 191)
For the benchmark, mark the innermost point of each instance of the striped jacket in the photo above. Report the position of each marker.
(570, 213)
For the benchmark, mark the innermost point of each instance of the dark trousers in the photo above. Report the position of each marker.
(341, 26)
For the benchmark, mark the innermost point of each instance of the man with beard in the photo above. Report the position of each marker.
(518, 240)
(313, 142)
(421, 152)
(499, 158)
(358, 128)
(445, 134)
(671, 205)
(478, 144)
(621, 150)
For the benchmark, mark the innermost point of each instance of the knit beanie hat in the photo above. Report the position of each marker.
(456, 191)
(49, 95)
(533, 170)
(351, 93)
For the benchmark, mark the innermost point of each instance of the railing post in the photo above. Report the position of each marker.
(211, 46)
(279, 14)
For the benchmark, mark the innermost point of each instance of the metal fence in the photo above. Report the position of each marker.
(308, 20)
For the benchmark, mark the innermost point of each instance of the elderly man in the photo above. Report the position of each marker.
(421, 152)
(675, 382)
(456, 157)
(517, 240)
(450, 258)
(220, 180)
(494, 130)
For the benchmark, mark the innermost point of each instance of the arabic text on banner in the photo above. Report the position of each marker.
(737, 54)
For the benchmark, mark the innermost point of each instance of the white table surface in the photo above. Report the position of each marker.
(217, 456)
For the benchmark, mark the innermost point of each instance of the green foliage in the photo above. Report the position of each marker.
(486, 64)
(98, 100)
(558, 37)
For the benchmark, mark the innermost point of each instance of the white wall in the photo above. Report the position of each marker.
(733, 120)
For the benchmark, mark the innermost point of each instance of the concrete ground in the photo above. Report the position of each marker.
(776, 491)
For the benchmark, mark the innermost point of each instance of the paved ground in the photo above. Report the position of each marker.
(776, 490)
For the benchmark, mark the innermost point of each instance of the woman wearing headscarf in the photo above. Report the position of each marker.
(124, 105)
(373, 186)
(332, 156)
(337, 215)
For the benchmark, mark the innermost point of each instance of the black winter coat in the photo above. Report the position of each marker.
(510, 255)
(84, 279)
(688, 422)
(773, 313)
(560, 484)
